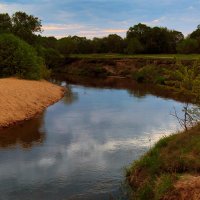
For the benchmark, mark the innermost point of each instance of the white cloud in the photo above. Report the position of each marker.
(63, 30)
(62, 27)
(156, 22)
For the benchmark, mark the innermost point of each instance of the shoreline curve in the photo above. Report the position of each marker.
(22, 100)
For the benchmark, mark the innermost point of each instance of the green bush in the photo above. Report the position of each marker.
(160, 80)
(150, 74)
(17, 58)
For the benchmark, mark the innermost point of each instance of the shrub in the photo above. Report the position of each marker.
(160, 80)
(17, 58)
(185, 77)
(150, 74)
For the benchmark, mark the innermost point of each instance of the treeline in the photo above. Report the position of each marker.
(21, 44)
(140, 39)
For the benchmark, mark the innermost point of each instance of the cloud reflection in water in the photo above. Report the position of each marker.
(89, 138)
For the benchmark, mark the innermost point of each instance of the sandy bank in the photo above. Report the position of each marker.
(23, 99)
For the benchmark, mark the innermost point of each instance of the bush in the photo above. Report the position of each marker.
(150, 74)
(17, 58)
(160, 80)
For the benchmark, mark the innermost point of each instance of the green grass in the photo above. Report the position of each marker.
(154, 174)
(163, 185)
(153, 56)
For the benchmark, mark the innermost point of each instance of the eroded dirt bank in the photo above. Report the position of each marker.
(124, 67)
(21, 100)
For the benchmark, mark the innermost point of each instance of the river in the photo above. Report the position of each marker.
(79, 147)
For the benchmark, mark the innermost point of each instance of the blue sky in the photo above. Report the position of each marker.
(97, 18)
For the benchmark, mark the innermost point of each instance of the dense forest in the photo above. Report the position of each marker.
(26, 53)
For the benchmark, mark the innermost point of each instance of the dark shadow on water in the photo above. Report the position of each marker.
(25, 135)
(135, 89)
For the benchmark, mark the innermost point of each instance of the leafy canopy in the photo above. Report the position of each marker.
(17, 58)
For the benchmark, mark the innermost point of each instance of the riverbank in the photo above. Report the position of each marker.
(118, 66)
(114, 66)
(170, 170)
(24, 99)
(181, 77)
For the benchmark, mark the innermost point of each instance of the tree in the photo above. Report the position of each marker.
(114, 43)
(175, 37)
(17, 58)
(52, 57)
(188, 46)
(191, 116)
(156, 39)
(139, 31)
(66, 45)
(133, 46)
(195, 34)
(81, 45)
(99, 45)
(47, 42)
(25, 26)
(5, 23)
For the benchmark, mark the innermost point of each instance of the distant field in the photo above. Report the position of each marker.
(159, 56)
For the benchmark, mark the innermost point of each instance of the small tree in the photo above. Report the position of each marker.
(191, 116)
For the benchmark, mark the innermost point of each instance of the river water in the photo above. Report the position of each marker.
(79, 147)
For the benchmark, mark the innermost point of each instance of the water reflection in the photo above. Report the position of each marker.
(70, 96)
(134, 89)
(84, 142)
(25, 135)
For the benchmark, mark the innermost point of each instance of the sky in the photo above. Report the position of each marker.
(98, 18)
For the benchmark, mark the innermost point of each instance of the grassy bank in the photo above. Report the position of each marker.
(161, 173)
(146, 56)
